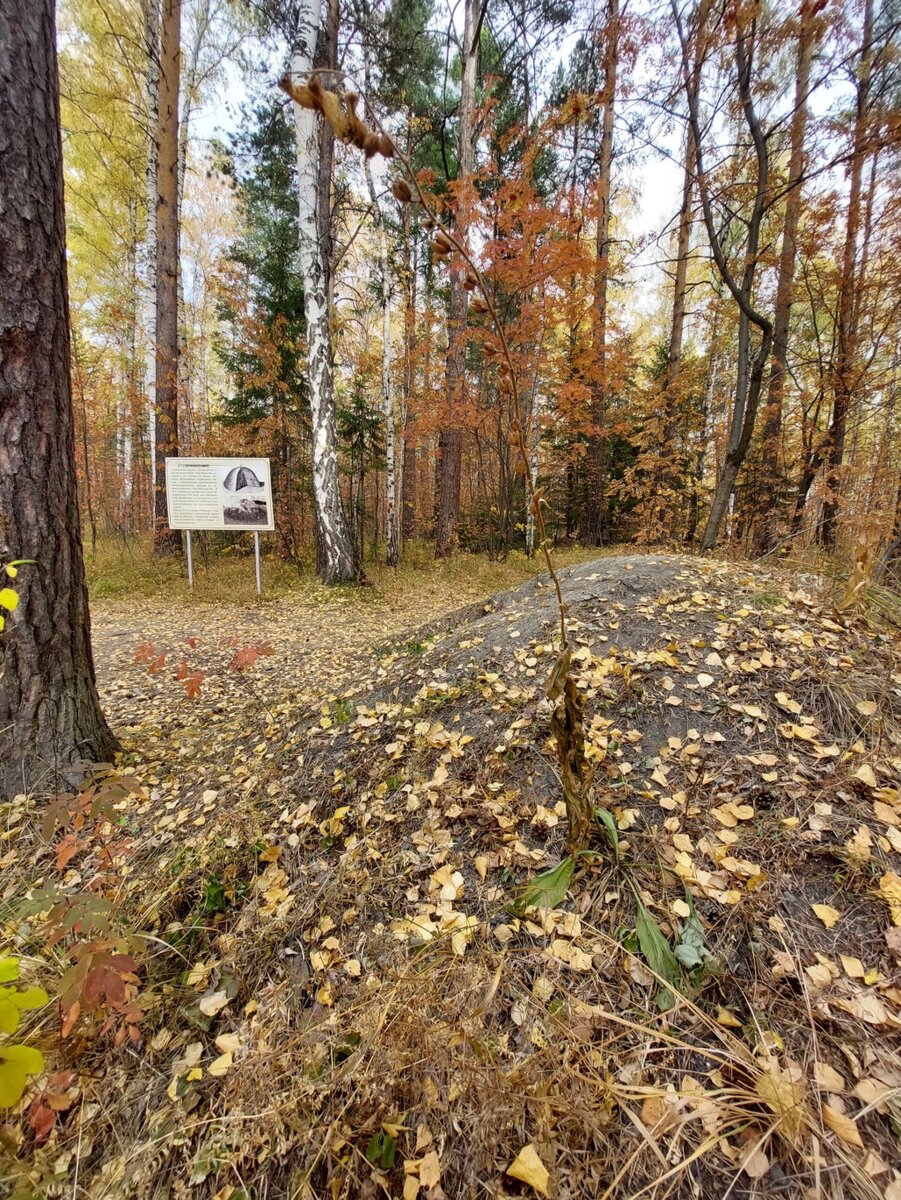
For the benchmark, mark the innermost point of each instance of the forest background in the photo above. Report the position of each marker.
(689, 219)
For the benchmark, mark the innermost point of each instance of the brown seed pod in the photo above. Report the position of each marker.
(471, 282)
(299, 93)
(371, 144)
(478, 305)
(440, 248)
(334, 113)
(386, 146)
(358, 130)
(400, 189)
(428, 224)
(444, 241)
(490, 351)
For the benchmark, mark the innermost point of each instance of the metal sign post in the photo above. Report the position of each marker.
(228, 494)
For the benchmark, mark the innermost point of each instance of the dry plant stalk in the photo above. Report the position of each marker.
(566, 718)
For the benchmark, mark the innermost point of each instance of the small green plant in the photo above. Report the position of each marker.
(414, 648)
(342, 711)
(765, 600)
(17, 1061)
(9, 597)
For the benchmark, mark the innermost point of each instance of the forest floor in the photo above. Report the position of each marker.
(337, 800)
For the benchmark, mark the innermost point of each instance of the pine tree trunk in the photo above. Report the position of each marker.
(50, 719)
(335, 551)
(166, 540)
(595, 507)
(772, 485)
(408, 475)
(846, 332)
(450, 442)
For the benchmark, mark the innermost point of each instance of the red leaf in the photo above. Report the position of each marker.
(70, 1018)
(193, 685)
(41, 1119)
(66, 850)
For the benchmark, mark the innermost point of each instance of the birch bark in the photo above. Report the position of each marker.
(336, 557)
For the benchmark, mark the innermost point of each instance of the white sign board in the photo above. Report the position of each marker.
(219, 493)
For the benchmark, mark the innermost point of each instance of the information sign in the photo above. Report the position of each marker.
(219, 493)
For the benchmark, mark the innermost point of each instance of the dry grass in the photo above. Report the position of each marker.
(471, 1056)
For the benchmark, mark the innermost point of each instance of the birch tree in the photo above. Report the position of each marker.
(166, 540)
(335, 553)
(147, 251)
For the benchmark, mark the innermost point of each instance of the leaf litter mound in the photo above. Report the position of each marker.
(365, 1004)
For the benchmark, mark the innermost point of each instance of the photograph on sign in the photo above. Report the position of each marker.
(219, 493)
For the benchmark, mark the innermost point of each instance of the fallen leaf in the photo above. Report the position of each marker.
(827, 914)
(842, 1126)
(219, 1066)
(828, 1078)
(212, 1004)
(528, 1168)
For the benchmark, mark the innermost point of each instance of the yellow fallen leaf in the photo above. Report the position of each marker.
(528, 1168)
(228, 1043)
(481, 865)
(828, 915)
(865, 774)
(890, 891)
(705, 680)
(219, 1066)
(842, 1126)
(212, 1004)
(430, 1170)
(755, 1163)
(828, 1078)
(854, 968)
(866, 708)
(726, 1018)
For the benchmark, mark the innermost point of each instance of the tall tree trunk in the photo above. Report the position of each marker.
(391, 531)
(166, 540)
(450, 444)
(670, 471)
(408, 475)
(50, 719)
(772, 484)
(596, 505)
(749, 373)
(846, 331)
(336, 559)
(147, 253)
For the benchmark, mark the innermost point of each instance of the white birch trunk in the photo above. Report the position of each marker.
(147, 250)
(537, 407)
(336, 555)
(392, 539)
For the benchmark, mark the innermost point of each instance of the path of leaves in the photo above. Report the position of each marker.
(336, 826)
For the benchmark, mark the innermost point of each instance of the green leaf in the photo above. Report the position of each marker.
(9, 1014)
(691, 949)
(33, 997)
(9, 599)
(9, 969)
(605, 817)
(547, 889)
(16, 1064)
(658, 954)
